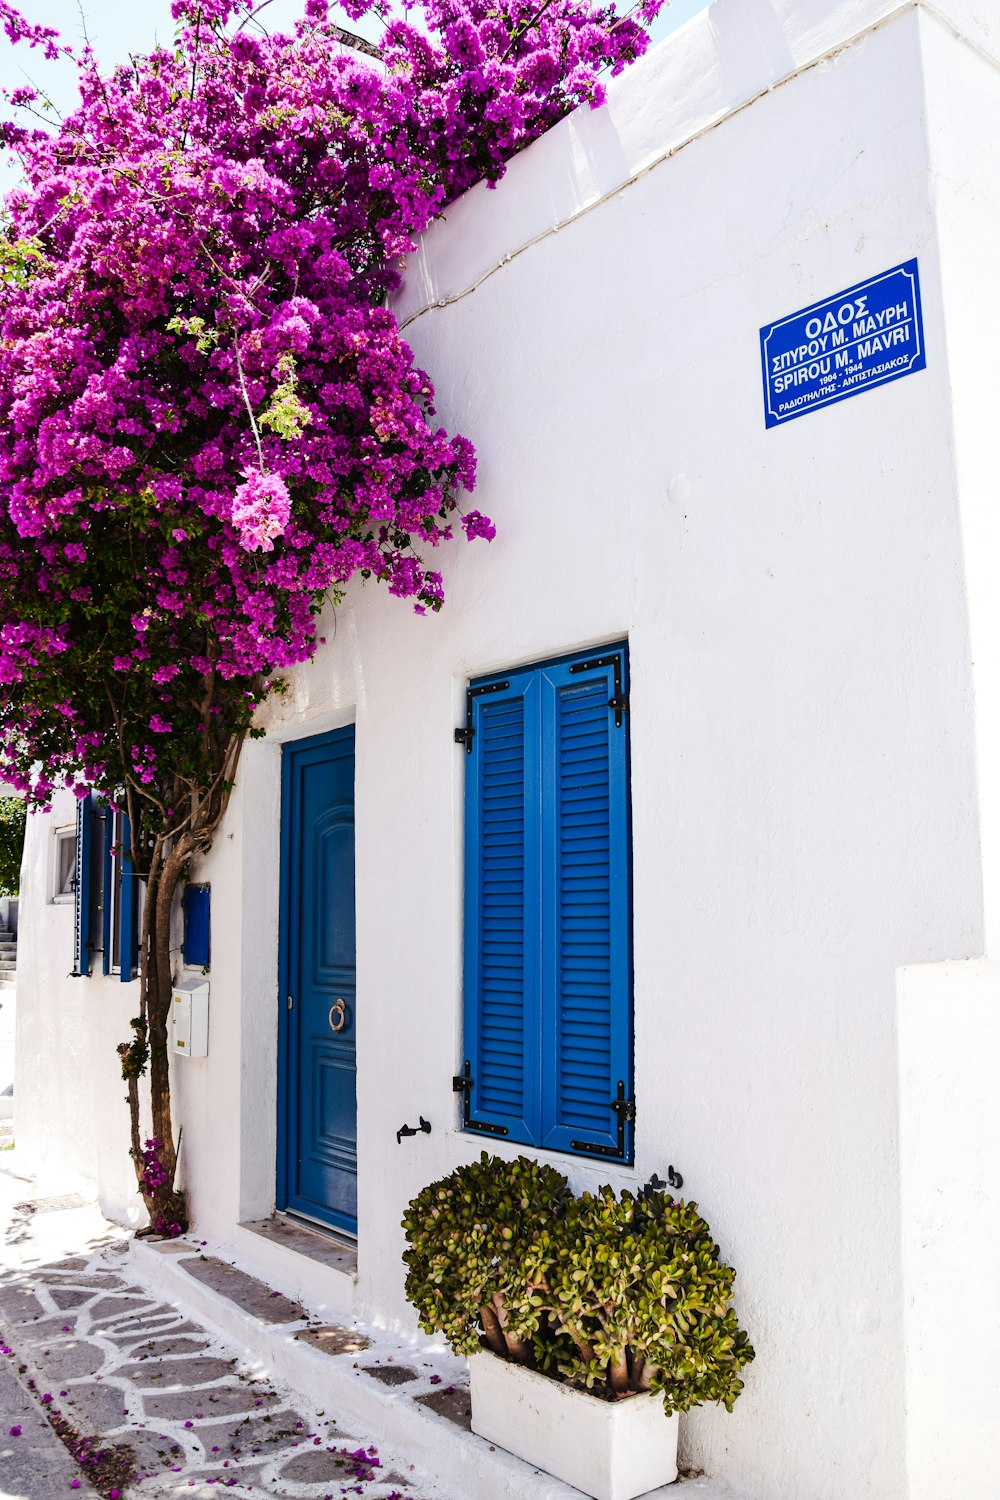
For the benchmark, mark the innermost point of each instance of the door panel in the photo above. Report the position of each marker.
(317, 1147)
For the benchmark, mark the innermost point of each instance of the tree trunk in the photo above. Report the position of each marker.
(156, 1161)
(161, 866)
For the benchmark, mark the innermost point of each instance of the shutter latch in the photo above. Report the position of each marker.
(462, 1084)
(620, 705)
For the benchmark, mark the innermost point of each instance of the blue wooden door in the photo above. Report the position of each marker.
(317, 1126)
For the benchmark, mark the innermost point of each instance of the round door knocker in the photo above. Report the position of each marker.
(338, 1009)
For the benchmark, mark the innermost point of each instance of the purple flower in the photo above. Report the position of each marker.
(261, 509)
(475, 524)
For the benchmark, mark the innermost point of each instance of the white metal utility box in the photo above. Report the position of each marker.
(190, 1010)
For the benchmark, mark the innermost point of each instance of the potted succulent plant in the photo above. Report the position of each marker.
(592, 1320)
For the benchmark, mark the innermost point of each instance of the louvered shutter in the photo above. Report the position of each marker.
(502, 908)
(586, 949)
(129, 910)
(81, 888)
(110, 869)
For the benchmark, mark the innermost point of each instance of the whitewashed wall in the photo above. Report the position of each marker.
(806, 808)
(70, 1117)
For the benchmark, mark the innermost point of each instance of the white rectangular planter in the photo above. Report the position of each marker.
(611, 1450)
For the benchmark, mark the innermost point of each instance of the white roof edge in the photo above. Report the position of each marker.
(710, 68)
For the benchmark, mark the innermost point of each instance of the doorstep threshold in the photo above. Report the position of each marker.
(321, 1246)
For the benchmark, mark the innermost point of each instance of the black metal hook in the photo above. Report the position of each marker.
(424, 1127)
(656, 1184)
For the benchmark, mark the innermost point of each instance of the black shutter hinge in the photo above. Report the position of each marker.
(625, 1110)
(466, 733)
(462, 1084)
(619, 702)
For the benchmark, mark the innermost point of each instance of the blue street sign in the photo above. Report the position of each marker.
(868, 335)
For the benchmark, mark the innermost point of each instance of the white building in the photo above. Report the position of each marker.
(811, 618)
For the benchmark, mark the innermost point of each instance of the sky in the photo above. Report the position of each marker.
(120, 27)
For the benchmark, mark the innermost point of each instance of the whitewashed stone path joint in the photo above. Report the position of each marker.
(131, 1369)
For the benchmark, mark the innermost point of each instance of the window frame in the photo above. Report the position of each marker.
(63, 896)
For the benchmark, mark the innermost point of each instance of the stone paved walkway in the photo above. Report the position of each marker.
(33, 1460)
(117, 1362)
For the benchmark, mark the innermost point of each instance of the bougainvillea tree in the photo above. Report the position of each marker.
(209, 422)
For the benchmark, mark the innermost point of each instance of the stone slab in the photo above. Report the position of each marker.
(315, 1467)
(312, 1243)
(332, 1339)
(69, 1359)
(67, 1297)
(18, 1303)
(156, 1348)
(114, 1309)
(185, 1373)
(452, 1402)
(247, 1435)
(154, 1450)
(204, 1484)
(253, 1296)
(95, 1407)
(51, 1205)
(136, 1330)
(224, 1401)
(391, 1374)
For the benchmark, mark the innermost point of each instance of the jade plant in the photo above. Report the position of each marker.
(612, 1294)
(469, 1236)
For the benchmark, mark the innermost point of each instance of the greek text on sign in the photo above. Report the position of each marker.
(868, 335)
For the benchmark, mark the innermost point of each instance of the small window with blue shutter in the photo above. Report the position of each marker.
(104, 893)
(87, 883)
(121, 906)
(548, 960)
(197, 927)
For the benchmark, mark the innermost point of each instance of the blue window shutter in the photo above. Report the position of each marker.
(81, 888)
(130, 908)
(586, 869)
(108, 865)
(502, 908)
(197, 926)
